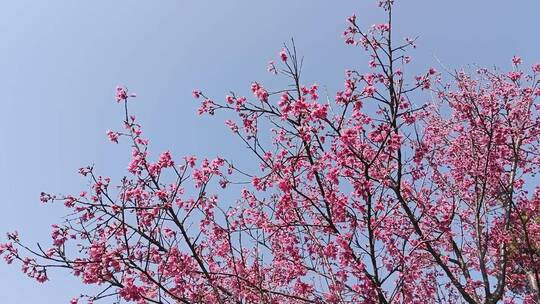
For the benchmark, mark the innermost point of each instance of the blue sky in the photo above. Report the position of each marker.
(61, 60)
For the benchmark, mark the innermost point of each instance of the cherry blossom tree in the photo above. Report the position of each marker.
(402, 189)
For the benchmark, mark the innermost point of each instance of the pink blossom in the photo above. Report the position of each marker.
(165, 160)
(45, 197)
(191, 160)
(369, 90)
(271, 67)
(382, 27)
(121, 94)
(516, 75)
(283, 55)
(113, 136)
(232, 125)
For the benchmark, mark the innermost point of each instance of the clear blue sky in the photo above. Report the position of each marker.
(61, 60)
